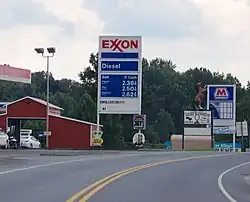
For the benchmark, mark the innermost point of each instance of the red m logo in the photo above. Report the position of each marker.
(221, 93)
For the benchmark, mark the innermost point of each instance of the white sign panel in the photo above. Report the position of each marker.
(242, 128)
(119, 75)
(197, 117)
(197, 131)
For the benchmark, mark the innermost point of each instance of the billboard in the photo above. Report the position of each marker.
(221, 100)
(197, 123)
(197, 117)
(9, 73)
(119, 75)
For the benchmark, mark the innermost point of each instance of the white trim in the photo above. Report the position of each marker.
(52, 115)
(90, 134)
(15, 79)
(222, 85)
(26, 118)
(35, 100)
(98, 114)
(76, 120)
(140, 74)
(208, 87)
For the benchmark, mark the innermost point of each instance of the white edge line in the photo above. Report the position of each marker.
(220, 184)
(79, 160)
(62, 162)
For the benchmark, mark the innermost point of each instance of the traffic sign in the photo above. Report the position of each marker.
(96, 138)
(139, 122)
(119, 75)
(138, 139)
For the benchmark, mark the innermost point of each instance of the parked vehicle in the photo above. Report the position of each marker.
(29, 142)
(4, 139)
(13, 144)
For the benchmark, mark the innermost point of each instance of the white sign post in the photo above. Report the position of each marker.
(119, 75)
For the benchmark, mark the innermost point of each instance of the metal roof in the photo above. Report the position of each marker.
(36, 100)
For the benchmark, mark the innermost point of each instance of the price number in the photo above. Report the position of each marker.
(129, 82)
(129, 94)
(129, 88)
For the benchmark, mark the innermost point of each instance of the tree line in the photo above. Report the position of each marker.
(166, 93)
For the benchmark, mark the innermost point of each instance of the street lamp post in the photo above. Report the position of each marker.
(51, 51)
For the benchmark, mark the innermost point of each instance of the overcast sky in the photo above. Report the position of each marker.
(210, 33)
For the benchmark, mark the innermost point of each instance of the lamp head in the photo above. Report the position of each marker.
(39, 50)
(51, 50)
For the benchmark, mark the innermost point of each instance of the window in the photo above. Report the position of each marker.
(1, 133)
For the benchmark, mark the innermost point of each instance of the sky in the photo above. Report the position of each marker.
(214, 34)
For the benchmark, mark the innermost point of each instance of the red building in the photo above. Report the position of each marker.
(66, 133)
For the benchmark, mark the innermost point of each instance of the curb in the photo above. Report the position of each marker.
(76, 153)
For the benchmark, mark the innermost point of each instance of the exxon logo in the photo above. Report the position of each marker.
(120, 45)
(221, 93)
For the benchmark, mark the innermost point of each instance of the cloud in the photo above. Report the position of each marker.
(161, 18)
(69, 27)
(24, 12)
(213, 34)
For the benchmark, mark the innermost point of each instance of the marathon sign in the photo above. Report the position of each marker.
(14, 74)
(221, 93)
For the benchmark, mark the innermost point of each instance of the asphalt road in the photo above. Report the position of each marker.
(29, 177)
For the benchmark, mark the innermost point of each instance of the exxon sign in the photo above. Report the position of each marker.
(120, 45)
(221, 94)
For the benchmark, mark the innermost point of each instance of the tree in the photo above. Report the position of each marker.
(166, 93)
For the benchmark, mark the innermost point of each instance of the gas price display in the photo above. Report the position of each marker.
(119, 86)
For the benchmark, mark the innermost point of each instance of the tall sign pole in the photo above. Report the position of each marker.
(221, 100)
(119, 75)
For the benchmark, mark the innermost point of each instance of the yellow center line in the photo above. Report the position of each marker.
(97, 186)
(83, 191)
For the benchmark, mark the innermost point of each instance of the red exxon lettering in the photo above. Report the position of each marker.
(120, 45)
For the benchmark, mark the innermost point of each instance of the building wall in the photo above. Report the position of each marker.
(191, 142)
(27, 108)
(68, 134)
